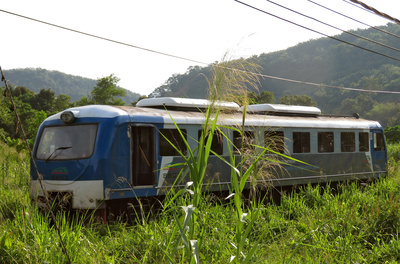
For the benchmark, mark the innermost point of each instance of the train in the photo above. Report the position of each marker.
(102, 157)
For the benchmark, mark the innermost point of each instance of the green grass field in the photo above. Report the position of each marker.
(356, 224)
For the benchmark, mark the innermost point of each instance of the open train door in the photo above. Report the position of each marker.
(378, 152)
(143, 154)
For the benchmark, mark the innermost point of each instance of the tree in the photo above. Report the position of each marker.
(6, 117)
(106, 90)
(266, 97)
(140, 98)
(21, 90)
(44, 100)
(11, 125)
(36, 120)
(392, 134)
(297, 100)
(62, 102)
(388, 114)
(361, 105)
(85, 100)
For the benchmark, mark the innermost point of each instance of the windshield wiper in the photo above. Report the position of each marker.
(60, 148)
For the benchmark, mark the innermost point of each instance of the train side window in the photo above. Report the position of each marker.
(247, 139)
(275, 141)
(379, 142)
(348, 141)
(216, 144)
(301, 142)
(143, 159)
(363, 140)
(325, 142)
(172, 136)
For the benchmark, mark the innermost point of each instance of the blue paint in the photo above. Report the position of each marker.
(111, 161)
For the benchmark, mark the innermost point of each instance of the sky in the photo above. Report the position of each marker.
(201, 31)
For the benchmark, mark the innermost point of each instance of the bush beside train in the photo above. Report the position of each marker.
(100, 157)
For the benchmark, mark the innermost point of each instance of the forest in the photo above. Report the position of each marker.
(22, 110)
(36, 79)
(326, 62)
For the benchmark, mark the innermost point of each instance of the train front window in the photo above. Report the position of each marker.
(67, 142)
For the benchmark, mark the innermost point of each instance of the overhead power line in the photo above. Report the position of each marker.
(363, 23)
(199, 62)
(103, 38)
(358, 6)
(328, 86)
(326, 24)
(376, 11)
(47, 202)
(315, 31)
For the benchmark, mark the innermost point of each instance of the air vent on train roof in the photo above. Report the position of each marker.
(175, 103)
(280, 109)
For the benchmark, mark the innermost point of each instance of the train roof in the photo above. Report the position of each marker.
(255, 119)
(280, 109)
(256, 116)
(176, 103)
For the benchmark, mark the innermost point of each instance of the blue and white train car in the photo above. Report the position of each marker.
(100, 157)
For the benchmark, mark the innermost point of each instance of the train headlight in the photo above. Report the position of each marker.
(67, 117)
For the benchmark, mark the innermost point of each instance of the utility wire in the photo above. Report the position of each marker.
(321, 85)
(350, 3)
(328, 86)
(102, 38)
(376, 11)
(315, 31)
(9, 93)
(365, 24)
(203, 63)
(326, 24)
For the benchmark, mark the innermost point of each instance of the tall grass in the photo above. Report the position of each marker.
(13, 181)
(231, 80)
(227, 78)
(315, 224)
(355, 224)
(394, 152)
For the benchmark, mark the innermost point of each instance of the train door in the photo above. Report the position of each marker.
(378, 151)
(143, 154)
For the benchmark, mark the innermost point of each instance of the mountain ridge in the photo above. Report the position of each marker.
(74, 86)
(322, 61)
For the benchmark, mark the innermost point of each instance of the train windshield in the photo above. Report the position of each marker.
(67, 142)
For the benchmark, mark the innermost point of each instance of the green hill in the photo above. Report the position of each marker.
(322, 61)
(36, 79)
